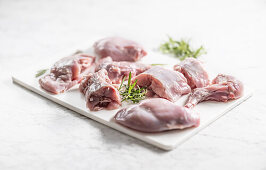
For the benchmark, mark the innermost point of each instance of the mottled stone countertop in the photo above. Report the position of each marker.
(36, 133)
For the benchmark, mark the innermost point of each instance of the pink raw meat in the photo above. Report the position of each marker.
(119, 49)
(222, 89)
(66, 73)
(99, 92)
(163, 83)
(118, 70)
(156, 115)
(194, 72)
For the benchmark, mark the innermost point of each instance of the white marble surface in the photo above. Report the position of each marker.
(38, 134)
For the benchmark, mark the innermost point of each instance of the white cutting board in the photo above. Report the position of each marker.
(74, 100)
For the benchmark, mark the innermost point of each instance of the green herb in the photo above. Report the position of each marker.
(40, 72)
(181, 49)
(131, 91)
(158, 64)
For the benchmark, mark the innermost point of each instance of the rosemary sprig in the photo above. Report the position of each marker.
(131, 91)
(40, 72)
(181, 49)
(158, 64)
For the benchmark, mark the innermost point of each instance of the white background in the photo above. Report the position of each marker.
(38, 134)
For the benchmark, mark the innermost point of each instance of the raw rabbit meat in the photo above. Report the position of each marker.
(99, 92)
(156, 115)
(66, 73)
(194, 72)
(223, 88)
(164, 83)
(119, 49)
(118, 70)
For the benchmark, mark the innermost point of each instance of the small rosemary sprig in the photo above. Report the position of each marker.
(181, 49)
(40, 72)
(158, 64)
(131, 91)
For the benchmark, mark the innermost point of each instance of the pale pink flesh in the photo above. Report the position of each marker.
(194, 72)
(99, 92)
(156, 115)
(119, 49)
(163, 83)
(118, 70)
(222, 89)
(66, 73)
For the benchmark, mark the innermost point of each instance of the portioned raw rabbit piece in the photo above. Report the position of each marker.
(66, 73)
(223, 88)
(156, 115)
(164, 83)
(194, 72)
(119, 49)
(99, 92)
(118, 70)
